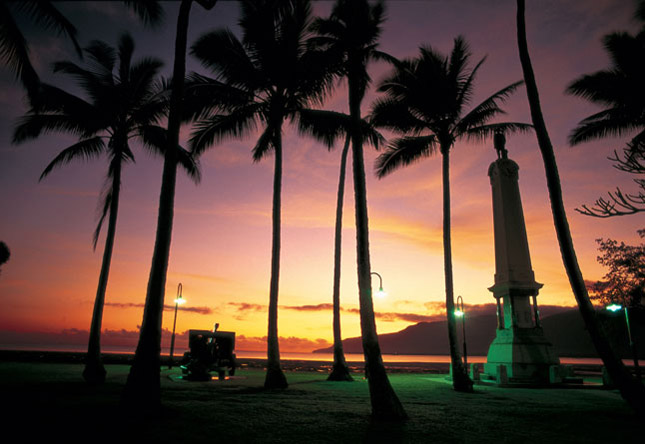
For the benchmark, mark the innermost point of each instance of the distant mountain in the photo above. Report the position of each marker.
(565, 330)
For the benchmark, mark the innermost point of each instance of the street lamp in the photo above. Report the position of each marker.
(614, 308)
(178, 301)
(461, 313)
(381, 294)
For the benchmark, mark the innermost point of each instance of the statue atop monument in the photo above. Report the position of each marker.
(499, 141)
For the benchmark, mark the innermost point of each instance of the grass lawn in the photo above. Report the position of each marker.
(51, 402)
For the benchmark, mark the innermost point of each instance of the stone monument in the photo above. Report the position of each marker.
(520, 353)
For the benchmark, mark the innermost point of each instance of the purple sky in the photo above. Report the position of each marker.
(221, 242)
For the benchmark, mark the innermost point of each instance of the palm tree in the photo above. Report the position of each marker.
(123, 104)
(425, 100)
(142, 392)
(620, 91)
(327, 127)
(630, 389)
(14, 49)
(5, 253)
(267, 77)
(351, 33)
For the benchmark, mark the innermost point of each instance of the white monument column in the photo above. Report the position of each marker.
(519, 346)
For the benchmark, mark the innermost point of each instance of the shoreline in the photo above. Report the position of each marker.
(65, 357)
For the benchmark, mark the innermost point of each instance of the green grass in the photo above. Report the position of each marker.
(50, 401)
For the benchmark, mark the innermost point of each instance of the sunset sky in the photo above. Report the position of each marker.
(222, 229)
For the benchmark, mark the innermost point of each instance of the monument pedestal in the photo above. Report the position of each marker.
(520, 354)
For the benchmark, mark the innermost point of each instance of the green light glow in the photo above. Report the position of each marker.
(614, 307)
(459, 313)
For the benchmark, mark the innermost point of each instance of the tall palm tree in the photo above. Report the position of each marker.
(351, 33)
(621, 92)
(266, 78)
(426, 100)
(327, 127)
(123, 104)
(630, 388)
(142, 392)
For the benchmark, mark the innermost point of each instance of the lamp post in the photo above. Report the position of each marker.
(461, 313)
(614, 308)
(380, 293)
(178, 301)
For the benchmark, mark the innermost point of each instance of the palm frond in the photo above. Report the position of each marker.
(204, 96)
(220, 127)
(32, 126)
(149, 11)
(483, 132)
(105, 202)
(44, 13)
(608, 123)
(395, 115)
(85, 149)
(405, 151)
(14, 51)
(126, 49)
(487, 109)
(264, 144)
(324, 126)
(224, 54)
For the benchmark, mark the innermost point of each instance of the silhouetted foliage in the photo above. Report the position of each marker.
(350, 36)
(327, 127)
(14, 49)
(5, 253)
(620, 91)
(267, 78)
(142, 392)
(630, 389)
(425, 101)
(624, 282)
(123, 102)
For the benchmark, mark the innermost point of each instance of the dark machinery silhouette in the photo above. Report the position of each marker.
(209, 351)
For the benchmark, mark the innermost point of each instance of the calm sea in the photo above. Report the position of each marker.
(322, 357)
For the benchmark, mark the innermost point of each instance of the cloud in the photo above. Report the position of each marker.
(319, 307)
(287, 344)
(245, 306)
(198, 310)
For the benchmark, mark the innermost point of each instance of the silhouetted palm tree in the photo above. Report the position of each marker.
(630, 388)
(267, 77)
(5, 253)
(14, 49)
(123, 104)
(621, 92)
(327, 127)
(426, 99)
(142, 392)
(351, 33)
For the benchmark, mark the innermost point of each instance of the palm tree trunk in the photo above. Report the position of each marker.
(630, 389)
(142, 392)
(385, 403)
(275, 377)
(460, 380)
(94, 371)
(340, 371)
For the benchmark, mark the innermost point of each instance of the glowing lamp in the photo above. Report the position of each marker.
(614, 307)
(459, 313)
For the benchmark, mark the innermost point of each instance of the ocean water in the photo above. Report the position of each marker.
(320, 357)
